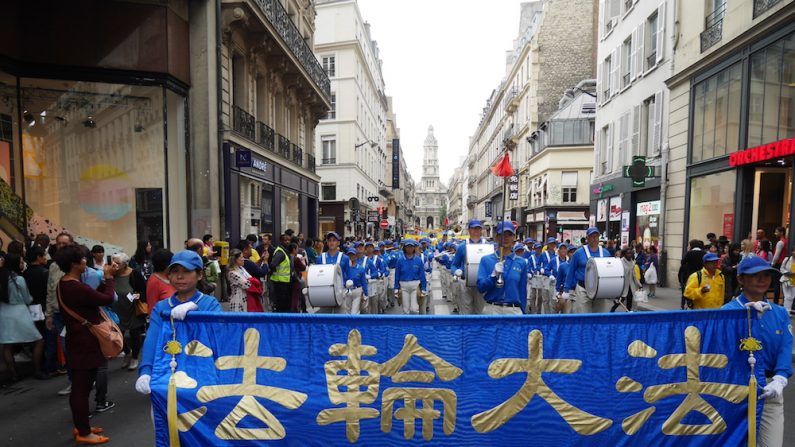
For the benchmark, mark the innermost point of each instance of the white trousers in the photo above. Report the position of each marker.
(491, 309)
(408, 294)
(352, 302)
(771, 427)
(390, 293)
(470, 300)
(789, 296)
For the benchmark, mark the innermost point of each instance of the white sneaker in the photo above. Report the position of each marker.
(133, 365)
(66, 391)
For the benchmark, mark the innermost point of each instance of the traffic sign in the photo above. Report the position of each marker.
(372, 216)
(384, 224)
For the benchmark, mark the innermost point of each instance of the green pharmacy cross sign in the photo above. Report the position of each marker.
(638, 171)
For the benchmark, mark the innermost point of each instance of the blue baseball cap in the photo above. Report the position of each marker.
(552, 240)
(332, 234)
(188, 259)
(369, 243)
(425, 240)
(519, 246)
(410, 243)
(358, 244)
(529, 240)
(388, 242)
(590, 231)
(537, 245)
(351, 251)
(710, 257)
(753, 265)
(475, 223)
(571, 247)
(505, 226)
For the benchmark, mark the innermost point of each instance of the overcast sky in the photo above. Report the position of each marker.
(441, 60)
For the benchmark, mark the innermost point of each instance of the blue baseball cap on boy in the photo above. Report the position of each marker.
(188, 259)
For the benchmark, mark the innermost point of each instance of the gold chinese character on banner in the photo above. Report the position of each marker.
(534, 366)
(693, 360)
(411, 395)
(249, 390)
(358, 373)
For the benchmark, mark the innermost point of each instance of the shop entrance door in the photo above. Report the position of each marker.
(772, 196)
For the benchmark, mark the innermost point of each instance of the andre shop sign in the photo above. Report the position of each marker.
(779, 149)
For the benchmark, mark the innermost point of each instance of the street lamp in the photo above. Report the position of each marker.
(372, 144)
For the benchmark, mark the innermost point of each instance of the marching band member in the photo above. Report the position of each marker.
(409, 276)
(529, 243)
(332, 255)
(575, 280)
(536, 265)
(773, 329)
(470, 299)
(559, 266)
(374, 270)
(391, 256)
(440, 246)
(355, 278)
(511, 298)
(549, 276)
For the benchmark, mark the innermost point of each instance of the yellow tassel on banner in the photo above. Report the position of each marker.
(171, 412)
(752, 411)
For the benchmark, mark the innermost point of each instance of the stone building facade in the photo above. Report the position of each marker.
(431, 194)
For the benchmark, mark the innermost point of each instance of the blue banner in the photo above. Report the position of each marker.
(653, 378)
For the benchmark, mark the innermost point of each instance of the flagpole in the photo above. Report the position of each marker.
(500, 280)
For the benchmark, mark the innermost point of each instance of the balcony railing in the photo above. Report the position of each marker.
(651, 60)
(298, 155)
(244, 123)
(284, 146)
(329, 161)
(278, 17)
(762, 6)
(509, 104)
(713, 29)
(266, 135)
(310, 162)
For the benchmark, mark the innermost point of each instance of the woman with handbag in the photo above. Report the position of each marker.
(130, 307)
(16, 322)
(80, 308)
(239, 282)
(651, 270)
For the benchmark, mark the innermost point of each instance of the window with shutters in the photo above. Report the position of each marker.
(605, 145)
(647, 125)
(612, 13)
(623, 137)
(568, 184)
(651, 42)
(606, 70)
(626, 59)
(330, 66)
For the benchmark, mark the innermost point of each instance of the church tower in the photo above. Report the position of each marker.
(430, 163)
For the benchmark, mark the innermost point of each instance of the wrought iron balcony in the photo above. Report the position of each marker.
(266, 136)
(310, 162)
(298, 155)
(281, 21)
(284, 146)
(244, 123)
(511, 101)
(762, 6)
(713, 30)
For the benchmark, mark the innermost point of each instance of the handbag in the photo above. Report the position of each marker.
(141, 308)
(651, 275)
(107, 333)
(640, 296)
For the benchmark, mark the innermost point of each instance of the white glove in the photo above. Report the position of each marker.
(759, 306)
(459, 273)
(775, 388)
(542, 271)
(179, 312)
(397, 291)
(349, 284)
(564, 296)
(367, 276)
(142, 384)
(498, 268)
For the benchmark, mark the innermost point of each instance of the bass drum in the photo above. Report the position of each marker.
(476, 252)
(324, 285)
(604, 278)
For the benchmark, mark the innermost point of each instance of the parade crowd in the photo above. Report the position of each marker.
(51, 293)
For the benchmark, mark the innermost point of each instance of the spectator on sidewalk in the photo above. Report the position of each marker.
(158, 287)
(728, 266)
(706, 287)
(787, 285)
(631, 282)
(142, 259)
(36, 280)
(239, 281)
(652, 261)
(54, 319)
(691, 263)
(747, 249)
(16, 323)
(779, 253)
(131, 290)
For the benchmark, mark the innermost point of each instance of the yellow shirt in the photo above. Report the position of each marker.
(713, 299)
(254, 256)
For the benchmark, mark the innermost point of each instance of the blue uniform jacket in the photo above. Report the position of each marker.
(392, 259)
(534, 264)
(577, 265)
(341, 259)
(774, 330)
(551, 268)
(356, 273)
(515, 276)
(410, 269)
(206, 303)
(563, 273)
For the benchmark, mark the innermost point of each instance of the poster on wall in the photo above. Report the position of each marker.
(624, 238)
(615, 209)
(728, 226)
(625, 221)
(601, 210)
(647, 223)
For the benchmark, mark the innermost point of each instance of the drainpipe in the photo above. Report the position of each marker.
(663, 253)
(224, 233)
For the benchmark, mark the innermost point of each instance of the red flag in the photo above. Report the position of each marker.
(446, 221)
(503, 168)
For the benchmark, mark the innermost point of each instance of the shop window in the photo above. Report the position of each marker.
(711, 203)
(95, 161)
(716, 115)
(291, 216)
(771, 114)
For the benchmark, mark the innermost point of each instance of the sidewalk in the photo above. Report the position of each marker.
(666, 299)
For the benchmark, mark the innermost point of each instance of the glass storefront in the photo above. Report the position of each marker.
(291, 215)
(771, 108)
(711, 204)
(98, 160)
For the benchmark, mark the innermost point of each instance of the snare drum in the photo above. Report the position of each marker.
(324, 285)
(604, 278)
(476, 252)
